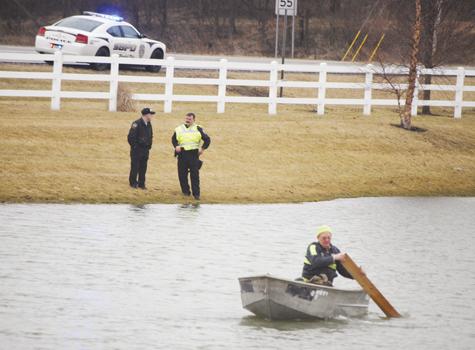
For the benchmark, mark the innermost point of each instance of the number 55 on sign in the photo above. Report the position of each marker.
(289, 5)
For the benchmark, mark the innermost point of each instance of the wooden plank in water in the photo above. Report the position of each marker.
(369, 287)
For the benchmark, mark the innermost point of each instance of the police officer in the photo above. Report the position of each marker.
(323, 260)
(140, 141)
(190, 141)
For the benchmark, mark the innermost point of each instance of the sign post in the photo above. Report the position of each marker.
(284, 8)
(284, 39)
(293, 36)
(276, 35)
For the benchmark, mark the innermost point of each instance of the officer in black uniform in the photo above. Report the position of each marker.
(140, 140)
(190, 141)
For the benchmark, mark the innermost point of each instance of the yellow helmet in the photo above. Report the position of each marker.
(323, 229)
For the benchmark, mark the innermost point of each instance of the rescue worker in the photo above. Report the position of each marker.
(190, 141)
(140, 140)
(323, 260)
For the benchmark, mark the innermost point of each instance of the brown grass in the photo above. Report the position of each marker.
(80, 154)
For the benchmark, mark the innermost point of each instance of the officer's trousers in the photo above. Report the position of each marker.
(138, 166)
(189, 162)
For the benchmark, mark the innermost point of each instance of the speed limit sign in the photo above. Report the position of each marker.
(282, 5)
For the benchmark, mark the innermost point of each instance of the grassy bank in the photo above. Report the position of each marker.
(80, 154)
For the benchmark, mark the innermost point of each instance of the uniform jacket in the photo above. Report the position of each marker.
(206, 139)
(140, 134)
(319, 260)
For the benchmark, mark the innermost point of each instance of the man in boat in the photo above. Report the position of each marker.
(323, 260)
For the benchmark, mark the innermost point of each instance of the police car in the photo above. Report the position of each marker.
(96, 34)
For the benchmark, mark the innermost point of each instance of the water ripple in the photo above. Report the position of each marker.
(165, 276)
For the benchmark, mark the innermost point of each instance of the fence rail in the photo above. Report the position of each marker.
(273, 83)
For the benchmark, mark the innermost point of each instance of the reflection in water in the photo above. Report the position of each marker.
(324, 325)
(165, 276)
(190, 206)
(138, 208)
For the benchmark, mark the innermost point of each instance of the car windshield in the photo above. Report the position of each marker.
(85, 24)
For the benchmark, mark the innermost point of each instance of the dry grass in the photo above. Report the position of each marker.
(80, 154)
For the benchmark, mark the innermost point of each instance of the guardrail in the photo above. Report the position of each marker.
(273, 83)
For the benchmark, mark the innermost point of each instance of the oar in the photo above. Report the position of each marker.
(369, 287)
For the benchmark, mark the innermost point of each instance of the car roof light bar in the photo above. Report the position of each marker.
(111, 17)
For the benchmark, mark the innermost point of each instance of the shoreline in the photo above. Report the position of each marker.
(204, 202)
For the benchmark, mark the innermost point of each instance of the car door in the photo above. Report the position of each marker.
(136, 48)
(119, 44)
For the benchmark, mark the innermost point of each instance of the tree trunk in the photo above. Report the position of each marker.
(67, 8)
(335, 7)
(232, 19)
(426, 94)
(416, 37)
(431, 22)
(307, 30)
(301, 30)
(135, 13)
(163, 10)
(149, 6)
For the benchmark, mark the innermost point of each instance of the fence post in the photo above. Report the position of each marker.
(367, 90)
(322, 79)
(459, 92)
(167, 105)
(223, 72)
(56, 81)
(273, 88)
(114, 83)
(415, 100)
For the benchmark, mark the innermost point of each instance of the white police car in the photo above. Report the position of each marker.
(95, 34)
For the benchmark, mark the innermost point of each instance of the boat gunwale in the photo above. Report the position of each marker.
(268, 276)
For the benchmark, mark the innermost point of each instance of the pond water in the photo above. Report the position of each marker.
(165, 276)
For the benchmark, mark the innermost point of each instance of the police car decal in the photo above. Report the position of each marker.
(124, 47)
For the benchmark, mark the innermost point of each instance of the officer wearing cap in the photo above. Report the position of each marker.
(190, 141)
(323, 260)
(140, 140)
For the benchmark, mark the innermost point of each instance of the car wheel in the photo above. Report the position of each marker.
(50, 63)
(158, 55)
(102, 52)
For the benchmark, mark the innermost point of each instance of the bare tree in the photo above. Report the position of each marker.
(394, 87)
(430, 24)
(163, 12)
(447, 36)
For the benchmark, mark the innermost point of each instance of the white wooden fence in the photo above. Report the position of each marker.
(273, 83)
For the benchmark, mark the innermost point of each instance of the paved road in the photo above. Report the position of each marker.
(31, 49)
(250, 59)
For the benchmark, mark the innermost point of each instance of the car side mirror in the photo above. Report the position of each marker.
(142, 36)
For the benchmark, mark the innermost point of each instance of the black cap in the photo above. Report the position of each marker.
(147, 110)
